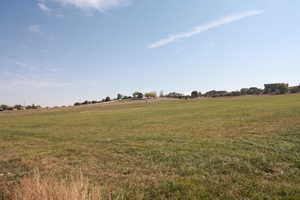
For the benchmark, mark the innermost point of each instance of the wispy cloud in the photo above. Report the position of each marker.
(43, 7)
(26, 66)
(34, 28)
(205, 27)
(36, 68)
(36, 83)
(100, 5)
(31, 76)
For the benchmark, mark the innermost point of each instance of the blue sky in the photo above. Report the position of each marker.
(56, 52)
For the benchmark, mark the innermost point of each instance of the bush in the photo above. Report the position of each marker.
(39, 187)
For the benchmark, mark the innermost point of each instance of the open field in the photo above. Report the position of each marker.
(222, 148)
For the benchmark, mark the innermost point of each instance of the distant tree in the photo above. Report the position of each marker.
(86, 102)
(33, 106)
(283, 88)
(235, 93)
(295, 89)
(254, 91)
(175, 95)
(276, 88)
(4, 107)
(119, 96)
(244, 91)
(195, 94)
(107, 99)
(151, 95)
(18, 107)
(77, 104)
(214, 93)
(138, 95)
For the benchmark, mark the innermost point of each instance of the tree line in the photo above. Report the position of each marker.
(269, 89)
(135, 96)
(4, 107)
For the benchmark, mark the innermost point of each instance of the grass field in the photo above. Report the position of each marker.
(223, 148)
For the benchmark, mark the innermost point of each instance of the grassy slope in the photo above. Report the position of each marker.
(224, 148)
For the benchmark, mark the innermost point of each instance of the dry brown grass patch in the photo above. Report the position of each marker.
(38, 187)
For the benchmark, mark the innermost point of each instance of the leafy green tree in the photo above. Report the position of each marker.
(283, 88)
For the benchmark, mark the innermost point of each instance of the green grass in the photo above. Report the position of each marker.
(223, 148)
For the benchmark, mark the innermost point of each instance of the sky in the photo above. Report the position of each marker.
(57, 52)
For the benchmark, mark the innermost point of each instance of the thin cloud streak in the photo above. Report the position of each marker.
(34, 28)
(43, 7)
(205, 27)
(100, 5)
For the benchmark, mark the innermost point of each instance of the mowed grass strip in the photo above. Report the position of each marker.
(223, 148)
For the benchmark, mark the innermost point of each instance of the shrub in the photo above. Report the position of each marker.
(39, 187)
